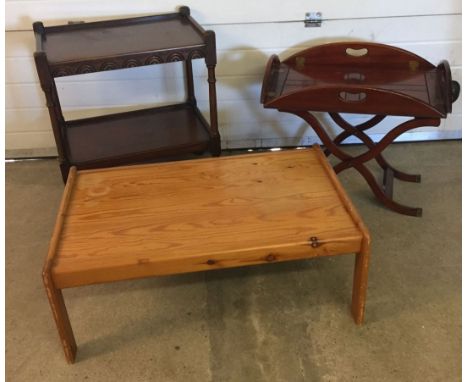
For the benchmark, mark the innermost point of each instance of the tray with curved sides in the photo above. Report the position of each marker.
(359, 54)
(355, 99)
(362, 78)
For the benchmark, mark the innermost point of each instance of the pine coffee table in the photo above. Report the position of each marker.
(161, 219)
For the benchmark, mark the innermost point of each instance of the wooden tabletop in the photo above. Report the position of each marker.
(139, 221)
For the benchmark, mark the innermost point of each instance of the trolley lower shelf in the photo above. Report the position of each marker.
(137, 134)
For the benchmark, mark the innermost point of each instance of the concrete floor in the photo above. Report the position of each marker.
(280, 322)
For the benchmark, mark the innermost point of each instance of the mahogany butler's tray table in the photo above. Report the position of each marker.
(160, 219)
(363, 78)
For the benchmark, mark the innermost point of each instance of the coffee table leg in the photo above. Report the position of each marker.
(360, 284)
(61, 318)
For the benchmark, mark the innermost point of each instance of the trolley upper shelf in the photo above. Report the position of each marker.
(116, 44)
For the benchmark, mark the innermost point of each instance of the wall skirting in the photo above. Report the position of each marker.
(267, 143)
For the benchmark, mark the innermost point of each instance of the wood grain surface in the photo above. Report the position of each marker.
(139, 221)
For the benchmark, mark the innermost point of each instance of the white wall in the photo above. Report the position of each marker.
(247, 32)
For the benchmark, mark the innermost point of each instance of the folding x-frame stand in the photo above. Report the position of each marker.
(362, 78)
(383, 191)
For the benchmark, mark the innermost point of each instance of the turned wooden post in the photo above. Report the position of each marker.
(210, 59)
(52, 100)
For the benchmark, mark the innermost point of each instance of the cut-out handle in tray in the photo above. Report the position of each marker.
(357, 52)
(354, 77)
(346, 96)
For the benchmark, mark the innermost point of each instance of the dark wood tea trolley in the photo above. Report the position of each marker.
(363, 78)
(139, 135)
